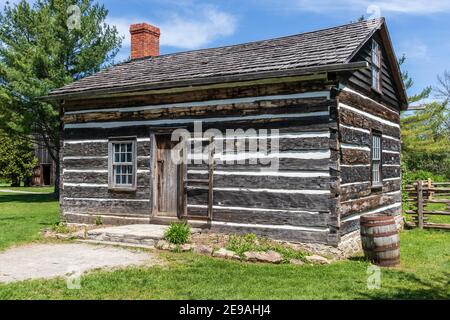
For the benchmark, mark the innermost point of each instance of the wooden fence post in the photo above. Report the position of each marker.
(430, 193)
(419, 191)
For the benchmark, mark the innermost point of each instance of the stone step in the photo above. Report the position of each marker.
(146, 235)
(121, 244)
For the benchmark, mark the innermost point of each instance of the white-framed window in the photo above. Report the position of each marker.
(122, 164)
(376, 159)
(376, 66)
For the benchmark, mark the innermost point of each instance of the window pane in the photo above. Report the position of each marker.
(376, 173)
(376, 65)
(376, 158)
(375, 58)
(122, 168)
(376, 52)
(376, 154)
(375, 78)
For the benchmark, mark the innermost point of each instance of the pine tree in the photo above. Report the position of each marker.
(42, 47)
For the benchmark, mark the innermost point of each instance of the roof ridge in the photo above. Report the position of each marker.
(381, 19)
(321, 47)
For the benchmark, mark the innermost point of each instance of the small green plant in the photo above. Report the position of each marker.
(287, 253)
(98, 221)
(241, 244)
(250, 242)
(61, 227)
(178, 233)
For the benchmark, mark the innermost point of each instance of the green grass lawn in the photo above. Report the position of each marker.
(437, 207)
(424, 272)
(22, 216)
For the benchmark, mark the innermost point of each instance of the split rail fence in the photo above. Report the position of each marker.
(426, 199)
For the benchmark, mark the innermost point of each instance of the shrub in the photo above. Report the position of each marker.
(412, 176)
(178, 233)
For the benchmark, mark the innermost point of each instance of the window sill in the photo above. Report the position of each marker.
(376, 189)
(122, 189)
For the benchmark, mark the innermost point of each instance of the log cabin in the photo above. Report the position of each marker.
(332, 96)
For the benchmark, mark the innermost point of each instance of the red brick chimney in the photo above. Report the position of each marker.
(144, 40)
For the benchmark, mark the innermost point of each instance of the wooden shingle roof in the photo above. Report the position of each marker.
(328, 47)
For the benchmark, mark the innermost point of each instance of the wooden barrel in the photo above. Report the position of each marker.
(380, 239)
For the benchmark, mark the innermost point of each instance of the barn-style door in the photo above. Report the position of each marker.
(198, 181)
(166, 178)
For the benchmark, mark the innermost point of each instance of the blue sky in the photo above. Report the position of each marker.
(419, 28)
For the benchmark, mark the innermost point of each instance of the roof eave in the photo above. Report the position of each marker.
(110, 92)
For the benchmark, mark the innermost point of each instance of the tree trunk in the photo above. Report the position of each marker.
(27, 182)
(15, 181)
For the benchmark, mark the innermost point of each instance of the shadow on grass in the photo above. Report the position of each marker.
(407, 286)
(23, 197)
(12, 218)
(358, 259)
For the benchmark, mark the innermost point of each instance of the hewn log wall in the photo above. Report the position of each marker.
(297, 202)
(358, 116)
(320, 190)
(85, 194)
(293, 202)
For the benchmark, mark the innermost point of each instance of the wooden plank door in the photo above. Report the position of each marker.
(167, 178)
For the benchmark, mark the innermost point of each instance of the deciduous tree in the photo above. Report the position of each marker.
(17, 159)
(426, 133)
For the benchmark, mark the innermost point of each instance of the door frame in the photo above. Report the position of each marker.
(47, 166)
(155, 181)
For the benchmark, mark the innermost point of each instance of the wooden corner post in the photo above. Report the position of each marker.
(211, 179)
(182, 190)
(419, 191)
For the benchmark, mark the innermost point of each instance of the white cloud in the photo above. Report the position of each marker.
(416, 7)
(194, 33)
(414, 49)
(187, 30)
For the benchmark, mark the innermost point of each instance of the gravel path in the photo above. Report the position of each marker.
(52, 260)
